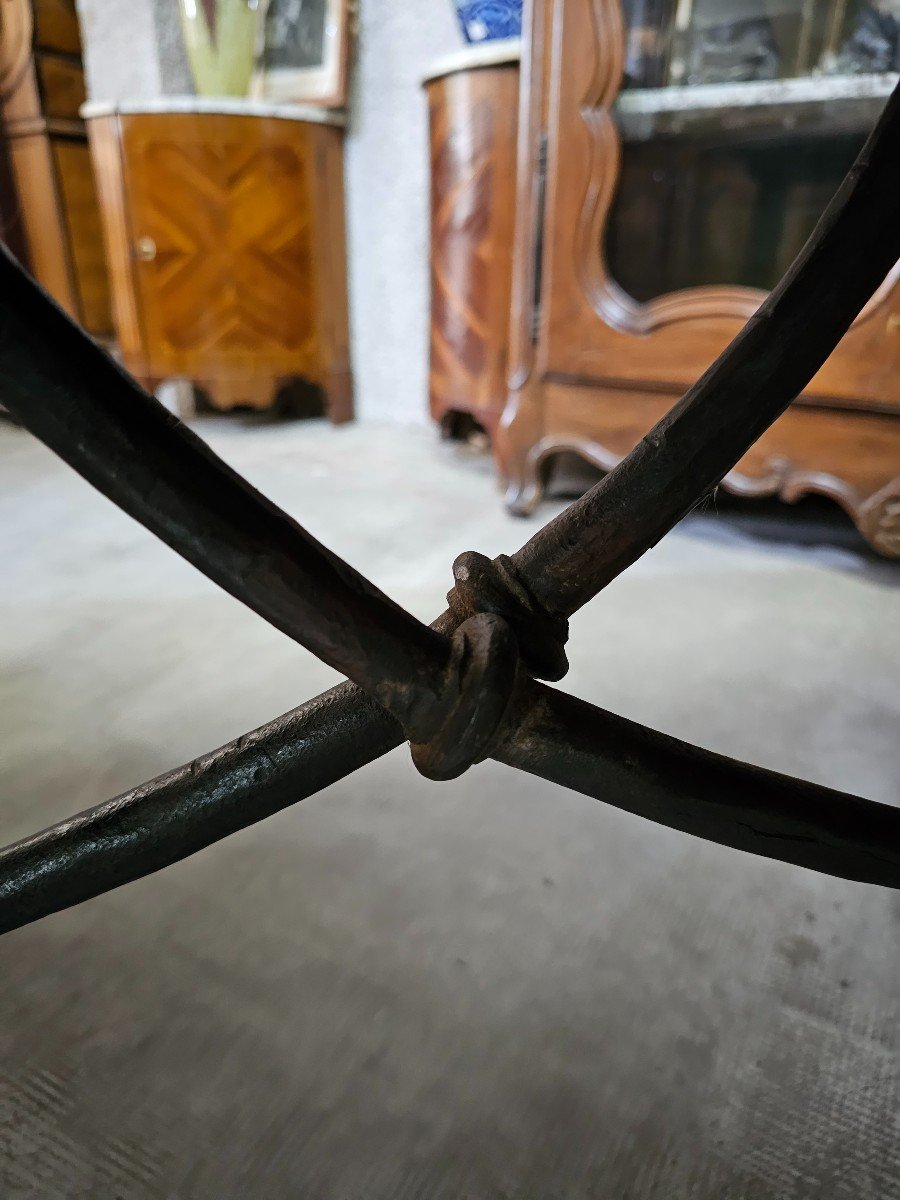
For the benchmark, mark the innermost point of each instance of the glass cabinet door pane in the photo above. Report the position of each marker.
(671, 42)
(715, 209)
(738, 120)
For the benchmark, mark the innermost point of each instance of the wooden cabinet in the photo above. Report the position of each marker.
(50, 211)
(472, 112)
(224, 229)
(11, 232)
(651, 218)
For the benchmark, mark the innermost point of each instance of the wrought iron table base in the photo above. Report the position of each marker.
(467, 687)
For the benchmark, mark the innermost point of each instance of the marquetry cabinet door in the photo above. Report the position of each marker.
(228, 235)
(473, 116)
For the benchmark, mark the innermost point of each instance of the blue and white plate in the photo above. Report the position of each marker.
(485, 20)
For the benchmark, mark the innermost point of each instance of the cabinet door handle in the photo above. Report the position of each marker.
(145, 249)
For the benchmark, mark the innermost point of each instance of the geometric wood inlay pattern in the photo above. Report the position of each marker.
(473, 120)
(233, 265)
(460, 253)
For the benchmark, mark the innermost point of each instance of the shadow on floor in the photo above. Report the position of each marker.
(814, 529)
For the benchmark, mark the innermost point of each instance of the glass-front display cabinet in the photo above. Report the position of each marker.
(674, 158)
(738, 120)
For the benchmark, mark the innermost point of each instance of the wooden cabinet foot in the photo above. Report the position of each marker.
(878, 520)
(148, 382)
(339, 397)
(518, 446)
(229, 392)
(524, 491)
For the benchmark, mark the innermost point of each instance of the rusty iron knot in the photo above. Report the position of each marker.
(474, 699)
(485, 585)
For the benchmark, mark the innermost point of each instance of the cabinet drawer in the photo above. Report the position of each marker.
(56, 26)
(62, 87)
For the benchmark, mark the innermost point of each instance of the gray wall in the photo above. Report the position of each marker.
(387, 203)
(133, 48)
(120, 51)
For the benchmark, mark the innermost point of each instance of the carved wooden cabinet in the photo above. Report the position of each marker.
(673, 160)
(49, 203)
(473, 101)
(224, 227)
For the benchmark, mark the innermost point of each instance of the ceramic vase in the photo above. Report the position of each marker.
(221, 38)
(485, 20)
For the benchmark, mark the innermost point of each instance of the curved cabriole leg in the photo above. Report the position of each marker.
(516, 450)
(524, 487)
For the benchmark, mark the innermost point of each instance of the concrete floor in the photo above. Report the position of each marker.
(491, 988)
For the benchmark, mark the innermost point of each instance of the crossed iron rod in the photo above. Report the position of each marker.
(467, 687)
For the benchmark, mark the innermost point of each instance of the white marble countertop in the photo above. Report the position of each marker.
(810, 89)
(229, 105)
(488, 54)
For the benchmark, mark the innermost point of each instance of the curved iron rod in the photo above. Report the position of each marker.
(72, 396)
(560, 738)
(686, 454)
(624, 764)
(552, 735)
(191, 807)
(121, 440)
